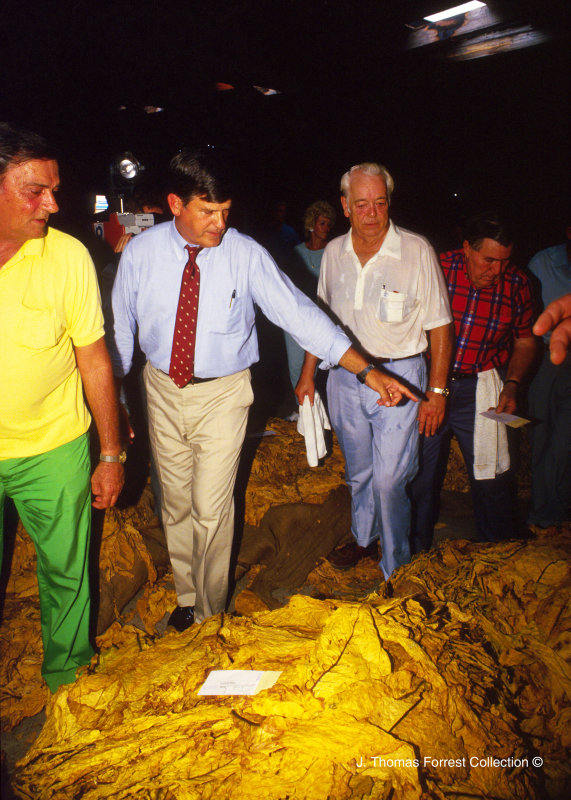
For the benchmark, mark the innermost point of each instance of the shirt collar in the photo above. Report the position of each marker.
(33, 247)
(464, 269)
(179, 241)
(391, 246)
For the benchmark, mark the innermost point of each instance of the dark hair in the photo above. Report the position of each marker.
(18, 145)
(200, 173)
(488, 225)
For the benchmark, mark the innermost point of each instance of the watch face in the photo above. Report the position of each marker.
(361, 376)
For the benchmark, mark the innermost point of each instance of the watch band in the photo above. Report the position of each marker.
(361, 376)
(118, 459)
(437, 390)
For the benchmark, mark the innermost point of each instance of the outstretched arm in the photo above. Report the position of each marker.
(391, 391)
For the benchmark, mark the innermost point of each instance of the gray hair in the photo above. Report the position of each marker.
(368, 168)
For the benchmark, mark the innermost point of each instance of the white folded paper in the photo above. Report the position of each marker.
(512, 420)
(238, 681)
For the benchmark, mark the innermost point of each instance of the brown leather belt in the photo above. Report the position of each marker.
(460, 376)
(381, 360)
(195, 379)
(202, 380)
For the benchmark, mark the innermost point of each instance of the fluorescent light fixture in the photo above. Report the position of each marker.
(101, 203)
(453, 12)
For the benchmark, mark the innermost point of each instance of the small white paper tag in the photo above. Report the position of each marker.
(238, 681)
(508, 419)
(391, 306)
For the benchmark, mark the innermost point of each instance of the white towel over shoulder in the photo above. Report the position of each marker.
(491, 455)
(312, 422)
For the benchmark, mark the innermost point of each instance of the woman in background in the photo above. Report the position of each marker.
(318, 222)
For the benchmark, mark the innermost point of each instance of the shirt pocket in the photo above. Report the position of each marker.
(228, 317)
(37, 329)
(391, 306)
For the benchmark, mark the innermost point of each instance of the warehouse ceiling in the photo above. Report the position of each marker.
(160, 52)
(299, 87)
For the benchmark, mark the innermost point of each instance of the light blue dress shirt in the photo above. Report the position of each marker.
(553, 270)
(235, 276)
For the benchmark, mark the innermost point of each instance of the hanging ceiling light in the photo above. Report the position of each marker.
(128, 167)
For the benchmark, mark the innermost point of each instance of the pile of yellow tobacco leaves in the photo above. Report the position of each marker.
(132, 554)
(454, 681)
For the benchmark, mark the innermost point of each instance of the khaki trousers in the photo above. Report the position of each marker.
(196, 436)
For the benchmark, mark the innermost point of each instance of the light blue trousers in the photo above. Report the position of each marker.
(380, 446)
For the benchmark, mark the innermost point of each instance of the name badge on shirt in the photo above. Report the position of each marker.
(391, 306)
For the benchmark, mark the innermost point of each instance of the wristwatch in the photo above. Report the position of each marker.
(364, 372)
(437, 390)
(120, 459)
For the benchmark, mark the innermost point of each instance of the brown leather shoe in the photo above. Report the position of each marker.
(350, 554)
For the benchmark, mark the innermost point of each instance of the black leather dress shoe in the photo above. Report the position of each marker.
(181, 618)
(350, 554)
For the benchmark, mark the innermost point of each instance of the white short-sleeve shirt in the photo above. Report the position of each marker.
(387, 305)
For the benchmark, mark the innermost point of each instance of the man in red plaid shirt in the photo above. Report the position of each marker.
(495, 349)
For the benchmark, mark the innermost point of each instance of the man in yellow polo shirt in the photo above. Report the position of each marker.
(51, 350)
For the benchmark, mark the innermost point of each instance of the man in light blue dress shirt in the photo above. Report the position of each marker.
(197, 431)
(550, 402)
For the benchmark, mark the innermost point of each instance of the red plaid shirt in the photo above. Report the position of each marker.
(486, 320)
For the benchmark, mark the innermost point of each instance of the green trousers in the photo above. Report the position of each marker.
(52, 495)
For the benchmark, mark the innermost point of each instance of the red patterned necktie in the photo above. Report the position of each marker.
(184, 340)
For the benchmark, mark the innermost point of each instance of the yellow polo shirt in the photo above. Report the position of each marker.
(49, 302)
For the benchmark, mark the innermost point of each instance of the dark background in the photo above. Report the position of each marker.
(455, 135)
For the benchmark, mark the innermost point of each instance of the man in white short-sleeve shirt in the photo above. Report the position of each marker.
(384, 285)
